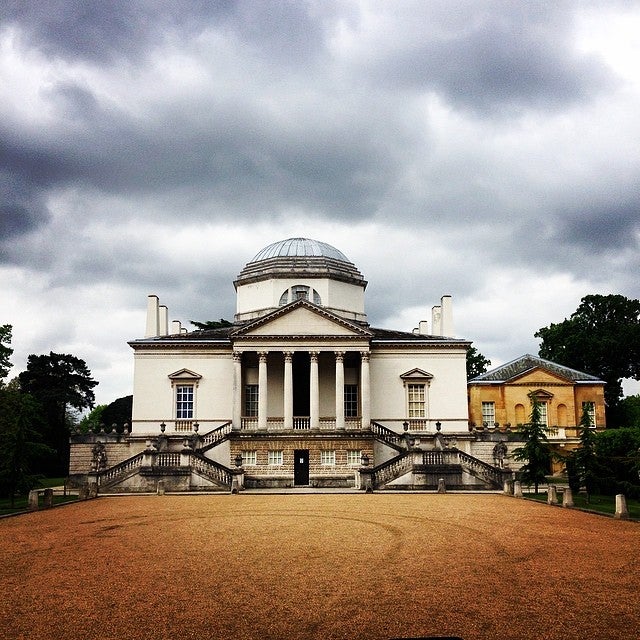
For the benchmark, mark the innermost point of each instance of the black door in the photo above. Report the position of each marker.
(301, 467)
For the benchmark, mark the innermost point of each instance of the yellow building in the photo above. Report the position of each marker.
(501, 399)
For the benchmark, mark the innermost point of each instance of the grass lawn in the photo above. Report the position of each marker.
(21, 502)
(601, 504)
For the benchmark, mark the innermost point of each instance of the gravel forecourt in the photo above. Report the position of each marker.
(349, 566)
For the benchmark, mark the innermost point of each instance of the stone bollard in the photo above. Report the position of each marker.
(508, 487)
(93, 490)
(48, 498)
(621, 507)
(83, 492)
(567, 497)
(552, 495)
(33, 500)
(441, 486)
(161, 488)
(517, 489)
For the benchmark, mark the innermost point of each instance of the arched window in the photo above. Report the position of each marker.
(299, 292)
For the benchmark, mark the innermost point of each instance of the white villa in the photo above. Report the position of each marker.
(300, 391)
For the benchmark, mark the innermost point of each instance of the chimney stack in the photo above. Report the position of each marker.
(153, 317)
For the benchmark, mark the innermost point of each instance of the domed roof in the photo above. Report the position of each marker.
(300, 257)
(298, 247)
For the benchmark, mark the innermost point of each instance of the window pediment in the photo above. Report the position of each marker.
(184, 375)
(416, 375)
(541, 395)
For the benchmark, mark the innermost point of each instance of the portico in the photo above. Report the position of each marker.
(288, 384)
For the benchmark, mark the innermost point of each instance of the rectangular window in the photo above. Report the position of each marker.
(354, 457)
(184, 402)
(251, 400)
(249, 458)
(417, 405)
(274, 457)
(328, 458)
(350, 400)
(591, 410)
(543, 414)
(489, 413)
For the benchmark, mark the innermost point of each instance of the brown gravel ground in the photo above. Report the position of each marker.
(324, 566)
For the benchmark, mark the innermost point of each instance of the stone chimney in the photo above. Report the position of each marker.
(153, 317)
(436, 317)
(176, 327)
(163, 315)
(423, 328)
(446, 322)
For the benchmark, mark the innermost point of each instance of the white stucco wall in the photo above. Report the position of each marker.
(153, 393)
(446, 393)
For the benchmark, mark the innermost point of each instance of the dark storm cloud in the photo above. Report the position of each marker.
(103, 31)
(107, 31)
(497, 57)
(611, 226)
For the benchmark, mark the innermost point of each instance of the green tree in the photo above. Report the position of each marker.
(586, 461)
(211, 324)
(629, 411)
(536, 451)
(118, 413)
(5, 350)
(476, 363)
(617, 451)
(21, 446)
(602, 337)
(58, 382)
(93, 420)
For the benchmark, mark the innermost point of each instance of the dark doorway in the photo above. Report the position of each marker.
(300, 374)
(301, 467)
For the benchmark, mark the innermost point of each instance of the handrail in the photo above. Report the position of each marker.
(392, 469)
(121, 468)
(484, 469)
(213, 470)
(385, 434)
(215, 436)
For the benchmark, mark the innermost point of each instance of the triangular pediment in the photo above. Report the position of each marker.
(184, 374)
(301, 318)
(539, 376)
(416, 374)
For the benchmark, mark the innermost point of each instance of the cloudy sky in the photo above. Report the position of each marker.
(486, 149)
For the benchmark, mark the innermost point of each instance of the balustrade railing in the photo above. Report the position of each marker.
(209, 440)
(121, 468)
(167, 459)
(387, 435)
(183, 425)
(392, 469)
(212, 470)
(301, 423)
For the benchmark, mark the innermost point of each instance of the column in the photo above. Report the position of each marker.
(339, 389)
(314, 392)
(262, 390)
(236, 412)
(288, 390)
(365, 390)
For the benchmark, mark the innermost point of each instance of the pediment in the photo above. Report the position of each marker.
(539, 376)
(541, 394)
(416, 374)
(301, 318)
(184, 374)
